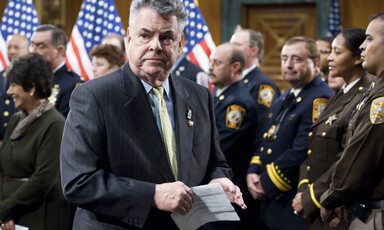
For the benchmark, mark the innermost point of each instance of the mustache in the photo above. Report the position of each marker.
(211, 74)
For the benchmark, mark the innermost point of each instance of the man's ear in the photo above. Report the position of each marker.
(128, 40)
(358, 61)
(61, 50)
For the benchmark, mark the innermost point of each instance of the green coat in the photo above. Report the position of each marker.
(37, 203)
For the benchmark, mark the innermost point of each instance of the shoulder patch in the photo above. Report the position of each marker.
(377, 111)
(318, 107)
(234, 117)
(202, 79)
(266, 94)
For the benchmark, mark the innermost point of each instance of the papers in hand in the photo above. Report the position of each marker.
(210, 204)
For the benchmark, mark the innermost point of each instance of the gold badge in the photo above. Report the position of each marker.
(55, 91)
(318, 107)
(331, 119)
(271, 130)
(377, 111)
(235, 115)
(266, 94)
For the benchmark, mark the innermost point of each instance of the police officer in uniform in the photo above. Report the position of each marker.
(274, 169)
(327, 136)
(358, 178)
(184, 68)
(51, 42)
(236, 121)
(17, 46)
(263, 90)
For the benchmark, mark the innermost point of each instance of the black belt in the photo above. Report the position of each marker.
(363, 210)
(8, 179)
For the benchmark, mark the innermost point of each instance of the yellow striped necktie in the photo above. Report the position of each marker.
(166, 127)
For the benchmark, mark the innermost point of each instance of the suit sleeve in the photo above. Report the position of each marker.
(86, 180)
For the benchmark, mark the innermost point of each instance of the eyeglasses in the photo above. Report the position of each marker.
(216, 63)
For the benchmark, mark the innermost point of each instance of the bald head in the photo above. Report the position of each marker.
(17, 46)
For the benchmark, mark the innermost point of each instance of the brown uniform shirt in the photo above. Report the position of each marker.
(326, 140)
(359, 173)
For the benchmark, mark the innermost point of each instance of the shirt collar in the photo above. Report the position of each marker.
(246, 71)
(346, 87)
(58, 67)
(149, 87)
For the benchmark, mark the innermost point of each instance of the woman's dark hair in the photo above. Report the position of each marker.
(32, 71)
(354, 37)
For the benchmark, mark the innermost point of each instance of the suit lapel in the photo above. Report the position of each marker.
(184, 132)
(138, 110)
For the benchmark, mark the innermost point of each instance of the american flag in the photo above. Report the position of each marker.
(200, 43)
(334, 22)
(19, 18)
(97, 18)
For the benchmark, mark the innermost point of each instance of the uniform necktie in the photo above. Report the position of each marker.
(166, 127)
(280, 117)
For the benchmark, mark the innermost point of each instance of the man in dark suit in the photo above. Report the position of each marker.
(51, 42)
(263, 90)
(274, 169)
(130, 153)
(17, 46)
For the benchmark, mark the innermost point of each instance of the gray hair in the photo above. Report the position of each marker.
(164, 8)
(255, 39)
(58, 36)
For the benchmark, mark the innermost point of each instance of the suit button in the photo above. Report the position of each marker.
(5, 124)
(323, 134)
(309, 151)
(274, 137)
(246, 81)
(261, 149)
(7, 102)
(310, 134)
(265, 135)
(308, 168)
(6, 113)
(269, 151)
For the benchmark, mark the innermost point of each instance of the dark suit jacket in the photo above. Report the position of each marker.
(113, 155)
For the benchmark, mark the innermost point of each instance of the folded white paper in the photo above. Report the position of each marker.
(210, 204)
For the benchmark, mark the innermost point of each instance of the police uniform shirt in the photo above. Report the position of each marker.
(7, 106)
(326, 140)
(359, 173)
(263, 91)
(281, 151)
(65, 81)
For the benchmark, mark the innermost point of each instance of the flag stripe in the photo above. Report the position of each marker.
(77, 55)
(96, 19)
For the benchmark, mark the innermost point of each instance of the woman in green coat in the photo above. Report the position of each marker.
(30, 190)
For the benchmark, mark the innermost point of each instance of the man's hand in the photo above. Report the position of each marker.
(254, 186)
(297, 205)
(173, 197)
(231, 190)
(342, 217)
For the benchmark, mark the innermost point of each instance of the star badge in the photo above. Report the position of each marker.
(331, 119)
